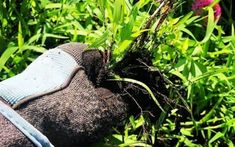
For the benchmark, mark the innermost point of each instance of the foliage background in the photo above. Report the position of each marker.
(195, 57)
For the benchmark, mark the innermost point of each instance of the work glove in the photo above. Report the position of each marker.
(67, 106)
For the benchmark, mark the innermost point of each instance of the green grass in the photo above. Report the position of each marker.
(196, 60)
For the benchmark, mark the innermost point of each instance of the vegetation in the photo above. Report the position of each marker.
(195, 56)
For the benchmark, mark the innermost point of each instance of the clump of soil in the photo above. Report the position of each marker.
(136, 66)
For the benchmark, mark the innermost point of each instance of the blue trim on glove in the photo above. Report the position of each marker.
(26, 128)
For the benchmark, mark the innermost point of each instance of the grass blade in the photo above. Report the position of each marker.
(142, 85)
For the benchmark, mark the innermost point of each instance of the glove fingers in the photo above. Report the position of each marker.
(77, 114)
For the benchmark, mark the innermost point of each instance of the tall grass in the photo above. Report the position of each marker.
(196, 60)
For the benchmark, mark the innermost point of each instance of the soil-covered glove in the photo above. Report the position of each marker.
(75, 114)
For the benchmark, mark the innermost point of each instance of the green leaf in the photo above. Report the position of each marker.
(20, 36)
(211, 112)
(118, 137)
(122, 48)
(102, 4)
(216, 137)
(186, 141)
(34, 38)
(181, 64)
(118, 15)
(198, 50)
(186, 132)
(100, 40)
(210, 25)
(211, 72)
(139, 122)
(199, 69)
(53, 6)
(229, 143)
(33, 48)
(188, 32)
(185, 46)
(135, 144)
(6, 55)
(49, 35)
(181, 76)
(184, 20)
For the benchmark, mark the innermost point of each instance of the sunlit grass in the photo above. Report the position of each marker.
(201, 54)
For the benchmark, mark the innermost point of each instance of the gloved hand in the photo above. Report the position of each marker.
(76, 114)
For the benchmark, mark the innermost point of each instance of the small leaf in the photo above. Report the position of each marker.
(6, 55)
(184, 19)
(185, 46)
(188, 32)
(100, 40)
(186, 132)
(20, 36)
(181, 64)
(199, 68)
(139, 122)
(34, 48)
(122, 47)
(216, 137)
(55, 36)
(53, 6)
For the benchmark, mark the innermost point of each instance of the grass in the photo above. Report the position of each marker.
(196, 60)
